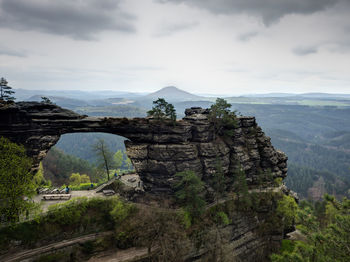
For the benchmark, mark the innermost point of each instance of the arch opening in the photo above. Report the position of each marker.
(73, 161)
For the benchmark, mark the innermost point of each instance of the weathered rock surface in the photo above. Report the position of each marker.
(158, 150)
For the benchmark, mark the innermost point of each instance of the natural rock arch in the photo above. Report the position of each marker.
(157, 150)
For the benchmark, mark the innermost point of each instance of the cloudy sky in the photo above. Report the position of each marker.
(202, 46)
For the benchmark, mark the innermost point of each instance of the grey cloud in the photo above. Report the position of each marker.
(73, 18)
(305, 50)
(170, 29)
(247, 36)
(269, 11)
(11, 52)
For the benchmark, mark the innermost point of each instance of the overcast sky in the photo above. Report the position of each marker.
(201, 46)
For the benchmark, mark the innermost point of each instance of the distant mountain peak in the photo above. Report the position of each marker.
(170, 88)
(172, 93)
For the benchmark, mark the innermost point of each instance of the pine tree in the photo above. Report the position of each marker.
(188, 193)
(6, 91)
(222, 118)
(241, 189)
(218, 180)
(162, 110)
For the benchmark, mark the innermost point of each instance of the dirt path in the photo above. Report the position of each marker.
(74, 194)
(55, 246)
(130, 254)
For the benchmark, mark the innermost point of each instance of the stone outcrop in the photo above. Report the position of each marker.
(157, 150)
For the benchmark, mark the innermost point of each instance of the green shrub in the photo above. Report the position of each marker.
(82, 186)
(121, 211)
(222, 218)
(74, 217)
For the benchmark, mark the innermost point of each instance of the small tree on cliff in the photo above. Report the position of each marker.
(218, 180)
(16, 181)
(45, 100)
(222, 118)
(162, 110)
(188, 193)
(6, 91)
(241, 189)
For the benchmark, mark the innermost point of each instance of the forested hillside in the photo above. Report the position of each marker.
(80, 144)
(58, 166)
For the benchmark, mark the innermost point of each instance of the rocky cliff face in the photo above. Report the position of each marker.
(157, 150)
(198, 149)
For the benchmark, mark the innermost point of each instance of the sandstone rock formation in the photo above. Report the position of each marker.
(157, 150)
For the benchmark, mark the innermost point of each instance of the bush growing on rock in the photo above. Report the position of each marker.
(162, 110)
(188, 193)
(222, 118)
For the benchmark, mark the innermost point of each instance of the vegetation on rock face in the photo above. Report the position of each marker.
(16, 182)
(45, 100)
(188, 193)
(325, 229)
(222, 118)
(241, 189)
(218, 181)
(162, 110)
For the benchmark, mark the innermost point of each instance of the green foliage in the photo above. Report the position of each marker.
(39, 179)
(16, 181)
(162, 110)
(278, 181)
(218, 180)
(301, 178)
(74, 217)
(326, 229)
(188, 192)
(78, 144)
(45, 100)
(82, 186)
(6, 91)
(223, 218)
(287, 208)
(75, 179)
(121, 211)
(118, 158)
(185, 217)
(241, 189)
(84, 178)
(59, 166)
(128, 163)
(222, 118)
